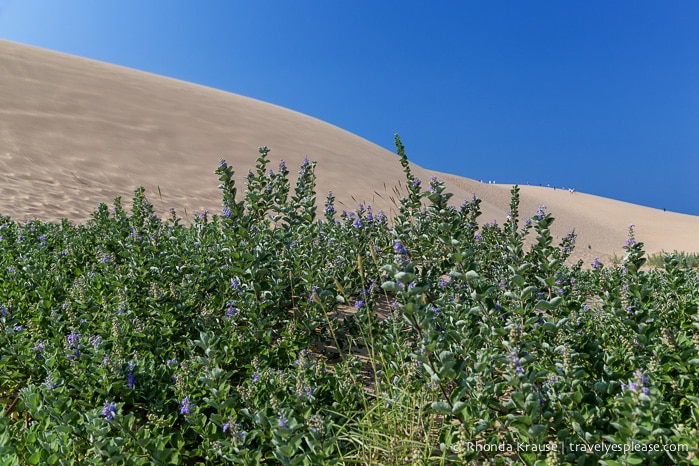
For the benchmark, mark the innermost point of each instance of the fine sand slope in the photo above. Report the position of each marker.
(76, 132)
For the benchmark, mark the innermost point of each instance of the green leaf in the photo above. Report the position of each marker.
(404, 277)
(518, 280)
(440, 407)
(536, 430)
(601, 387)
(458, 407)
(634, 459)
(529, 458)
(391, 287)
(34, 458)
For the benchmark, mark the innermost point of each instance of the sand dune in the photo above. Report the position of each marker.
(76, 132)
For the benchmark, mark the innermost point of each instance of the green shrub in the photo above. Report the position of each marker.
(265, 334)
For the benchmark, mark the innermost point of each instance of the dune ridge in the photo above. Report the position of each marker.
(76, 132)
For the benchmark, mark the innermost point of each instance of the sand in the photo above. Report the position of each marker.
(75, 133)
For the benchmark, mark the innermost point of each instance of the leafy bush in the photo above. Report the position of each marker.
(265, 334)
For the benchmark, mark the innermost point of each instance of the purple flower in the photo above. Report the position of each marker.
(231, 309)
(227, 212)
(222, 163)
(308, 392)
(398, 248)
(640, 377)
(596, 264)
(540, 212)
(131, 380)
(42, 238)
(359, 304)
(73, 340)
(516, 363)
(314, 289)
(49, 383)
(226, 426)
(170, 362)
(185, 406)
(235, 283)
(255, 377)
(282, 167)
(640, 381)
(109, 411)
(282, 420)
(432, 187)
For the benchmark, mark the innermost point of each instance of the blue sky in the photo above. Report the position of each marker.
(596, 95)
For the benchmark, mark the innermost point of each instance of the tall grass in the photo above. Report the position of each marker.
(266, 334)
(684, 259)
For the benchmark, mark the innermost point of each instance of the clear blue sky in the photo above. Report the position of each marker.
(597, 95)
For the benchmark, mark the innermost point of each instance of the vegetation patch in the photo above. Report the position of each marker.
(266, 335)
(685, 259)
